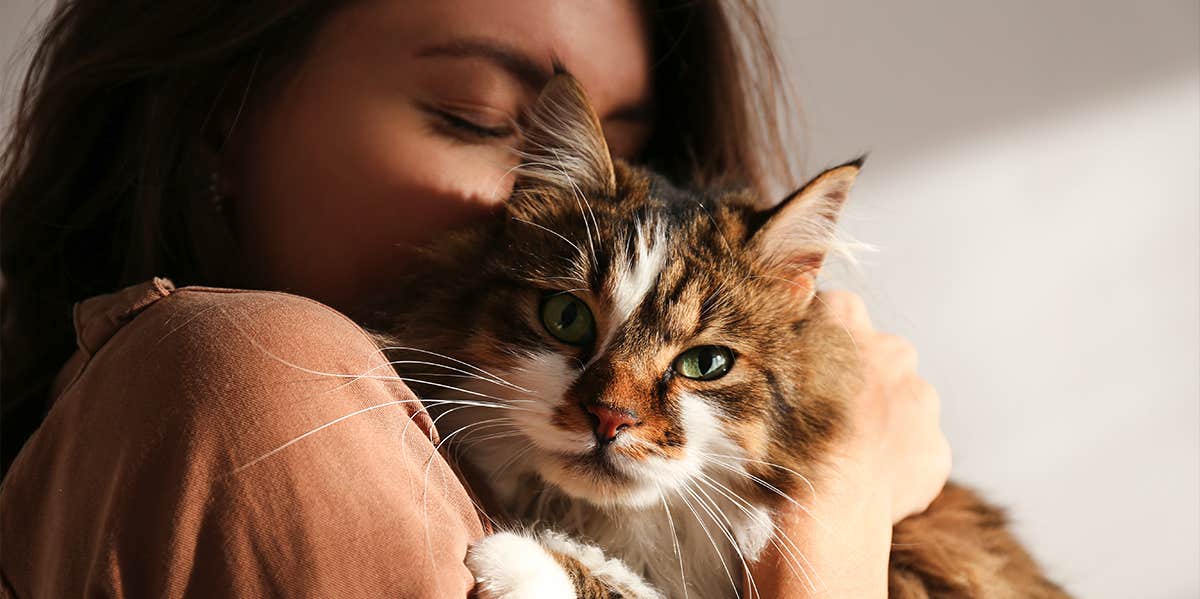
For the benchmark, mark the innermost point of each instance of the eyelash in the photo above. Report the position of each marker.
(472, 129)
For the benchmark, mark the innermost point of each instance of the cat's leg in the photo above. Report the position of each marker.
(510, 565)
(961, 547)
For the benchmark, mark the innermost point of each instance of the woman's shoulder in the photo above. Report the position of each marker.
(255, 365)
(204, 315)
(184, 333)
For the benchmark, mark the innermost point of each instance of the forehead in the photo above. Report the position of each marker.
(658, 261)
(604, 43)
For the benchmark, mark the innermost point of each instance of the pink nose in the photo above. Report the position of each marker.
(610, 421)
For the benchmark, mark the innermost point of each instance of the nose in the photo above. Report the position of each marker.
(610, 421)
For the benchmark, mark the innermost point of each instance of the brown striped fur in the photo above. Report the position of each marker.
(727, 273)
(586, 585)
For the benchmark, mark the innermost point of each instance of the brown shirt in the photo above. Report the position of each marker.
(211, 442)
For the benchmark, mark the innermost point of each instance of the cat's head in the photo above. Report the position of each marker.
(626, 337)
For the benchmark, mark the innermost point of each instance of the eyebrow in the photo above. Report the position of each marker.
(522, 66)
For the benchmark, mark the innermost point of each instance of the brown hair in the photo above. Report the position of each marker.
(103, 172)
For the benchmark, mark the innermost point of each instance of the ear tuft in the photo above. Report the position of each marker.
(563, 145)
(800, 231)
(856, 163)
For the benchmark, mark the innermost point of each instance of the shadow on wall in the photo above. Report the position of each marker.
(18, 19)
(1033, 185)
(921, 73)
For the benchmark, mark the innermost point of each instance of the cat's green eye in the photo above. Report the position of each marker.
(704, 363)
(568, 319)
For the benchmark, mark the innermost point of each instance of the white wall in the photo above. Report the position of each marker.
(1033, 185)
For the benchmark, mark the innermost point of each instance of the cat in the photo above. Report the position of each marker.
(638, 377)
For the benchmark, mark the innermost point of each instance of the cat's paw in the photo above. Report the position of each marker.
(611, 574)
(508, 565)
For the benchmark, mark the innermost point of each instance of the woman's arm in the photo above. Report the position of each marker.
(893, 465)
(233, 443)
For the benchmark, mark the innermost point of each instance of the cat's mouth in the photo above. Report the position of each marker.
(605, 476)
(604, 463)
(601, 461)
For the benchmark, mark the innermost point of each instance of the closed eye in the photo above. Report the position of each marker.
(472, 128)
(455, 124)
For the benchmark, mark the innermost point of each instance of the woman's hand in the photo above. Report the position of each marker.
(896, 437)
(892, 465)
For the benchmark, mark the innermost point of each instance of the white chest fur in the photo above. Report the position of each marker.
(695, 543)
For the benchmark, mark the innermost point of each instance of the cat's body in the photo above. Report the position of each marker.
(643, 371)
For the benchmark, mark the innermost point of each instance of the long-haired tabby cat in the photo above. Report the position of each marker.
(640, 377)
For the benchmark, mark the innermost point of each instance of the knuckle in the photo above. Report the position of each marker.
(901, 350)
(894, 343)
(881, 345)
(927, 394)
(833, 296)
(856, 308)
(899, 353)
(846, 304)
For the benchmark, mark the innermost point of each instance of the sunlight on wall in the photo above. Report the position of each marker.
(1033, 187)
(1049, 275)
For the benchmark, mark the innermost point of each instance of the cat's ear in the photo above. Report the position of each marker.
(563, 145)
(800, 230)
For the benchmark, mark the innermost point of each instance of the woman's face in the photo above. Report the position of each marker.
(399, 125)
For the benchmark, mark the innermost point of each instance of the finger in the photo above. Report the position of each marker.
(848, 307)
(929, 397)
(897, 354)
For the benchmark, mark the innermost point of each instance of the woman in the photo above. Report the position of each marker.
(306, 148)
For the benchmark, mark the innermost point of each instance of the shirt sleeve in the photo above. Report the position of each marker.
(236, 444)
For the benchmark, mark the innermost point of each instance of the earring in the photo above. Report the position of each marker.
(216, 198)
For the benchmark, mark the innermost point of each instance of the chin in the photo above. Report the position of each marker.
(602, 484)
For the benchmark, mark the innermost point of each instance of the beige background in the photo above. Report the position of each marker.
(1033, 188)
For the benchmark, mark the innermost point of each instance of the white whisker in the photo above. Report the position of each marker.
(714, 511)
(456, 361)
(711, 540)
(425, 488)
(316, 430)
(326, 425)
(771, 488)
(460, 389)
(812, 489)
(745, 506)
(457, 370)
(674, 542)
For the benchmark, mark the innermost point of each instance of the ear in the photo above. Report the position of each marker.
(799, 232)
(563, 145)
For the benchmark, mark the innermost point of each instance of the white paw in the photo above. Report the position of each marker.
(507, 565)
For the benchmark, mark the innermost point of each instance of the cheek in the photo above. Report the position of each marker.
(704, 428)
(544, 378)
(333, 206)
